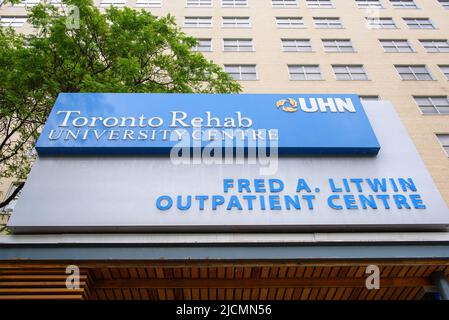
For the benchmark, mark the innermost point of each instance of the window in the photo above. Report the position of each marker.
(369, 98)
(203, 45)
(433, 104)
(445, 70)
(350, 72)
(236, 22)
(338, 45)
(305, 72)
(296, 45)
(444, 3)
(435, 45)
(241, 71)
(289, 22)
(284, 3)
(380, 23)
(414, 72)
(238, 45)
(319, 4)
(199, 3)
(444, 140)
(419, 23)
(403, 4)
(114, 3)
(148, 3)
(14, 22)
(368, 4)
(26, 3)
(327, 23)
(390, 45)
(234, 3)
(198, 22)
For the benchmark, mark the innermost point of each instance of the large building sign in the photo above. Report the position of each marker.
(155, 123)
(345, 167)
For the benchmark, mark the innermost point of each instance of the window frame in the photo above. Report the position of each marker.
(328, 23)
(347, 67)
(236, 26)
(240, 66)
(304, 72)
(238, 40)
(394, 41)
(413, 72)
(198, 26)
(432, 105)
(338, 46)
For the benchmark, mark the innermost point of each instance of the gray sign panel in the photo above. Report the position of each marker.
(392, 191)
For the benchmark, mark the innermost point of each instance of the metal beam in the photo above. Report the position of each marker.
(229, 252)
(442, 284)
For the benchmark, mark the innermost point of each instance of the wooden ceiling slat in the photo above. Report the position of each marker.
(317, 272)
(161, 295)
(263, 295)
(265, 272)
(247, 294)
(118, 294)
(308, 272)
(38, 284)
(330, 294)
(347, 293)
(151, 272)
(170, 294)
(145, 296)
(204, 294)
(13, 291)
(300, 272)
(404, 294)
(288, 293)
(160, 273)
(186, 273)
(355, 294)
(281, 273)
(257, 283)
(325, 272)
(213, 273)
(322, 293)
(41, 297)
(414, 293)
(339, 293)
(343, 271)
(371, 294)
(403, 271)
(221, 273)
(187, 294)
(296, 294)
(229, 273)
(305, 294)
(334, 272)
(386, 271)
(110, 294)
(314, 293)
(204, 273)
(221, 294)
(238, 272)
(133, 273)
(291, 271)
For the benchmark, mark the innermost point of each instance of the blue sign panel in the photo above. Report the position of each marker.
(125, 123)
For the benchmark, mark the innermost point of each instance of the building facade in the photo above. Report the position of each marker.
(394, 50)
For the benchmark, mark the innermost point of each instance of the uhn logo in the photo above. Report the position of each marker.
(316, 105)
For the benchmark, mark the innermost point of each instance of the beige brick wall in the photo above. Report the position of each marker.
(384, 81)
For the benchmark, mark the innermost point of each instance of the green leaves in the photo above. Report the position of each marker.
(120, 50)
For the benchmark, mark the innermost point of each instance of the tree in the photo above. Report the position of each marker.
(121, 50)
